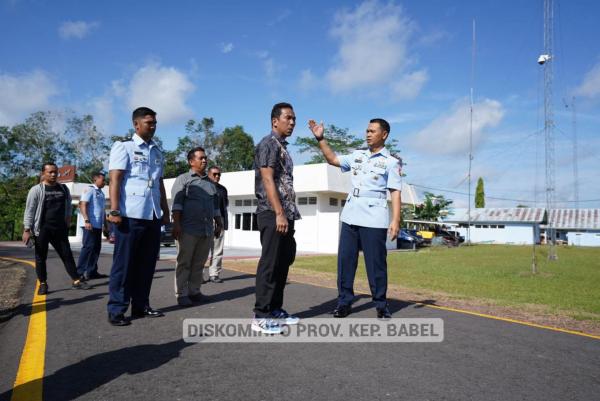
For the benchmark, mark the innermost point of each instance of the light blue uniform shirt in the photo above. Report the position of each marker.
(95, 206)
(372, 175)
(140, 188)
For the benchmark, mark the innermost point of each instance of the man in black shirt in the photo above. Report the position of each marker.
(47, 219)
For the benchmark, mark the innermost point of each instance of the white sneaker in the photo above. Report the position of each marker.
(284, 318)
(265, 326)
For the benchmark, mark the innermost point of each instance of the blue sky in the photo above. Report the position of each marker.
(342, 62)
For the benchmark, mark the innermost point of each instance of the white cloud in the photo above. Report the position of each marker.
(409, 85)
(76, 29)
(307, 80)
(163, 89)
(102, 110)
(449, 133)
(226, 47)
(23, 94)
(590, 87)
(374, 40)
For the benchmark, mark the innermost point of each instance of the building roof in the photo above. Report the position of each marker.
(498, 215)
(575, 219)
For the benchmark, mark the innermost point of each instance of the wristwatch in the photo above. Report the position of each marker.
(115, 213)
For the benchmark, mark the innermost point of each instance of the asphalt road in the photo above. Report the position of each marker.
(479, 359)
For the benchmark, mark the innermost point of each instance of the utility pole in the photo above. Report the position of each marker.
(471, 135)
(575, 156)
(547, 59)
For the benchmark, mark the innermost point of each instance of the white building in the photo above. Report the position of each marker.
(321, 192)
(499, 225)
(580, 227)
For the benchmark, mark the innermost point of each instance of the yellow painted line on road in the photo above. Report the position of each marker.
(466, 312)
(28, 384)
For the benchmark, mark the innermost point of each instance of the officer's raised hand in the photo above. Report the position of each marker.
(317, 129)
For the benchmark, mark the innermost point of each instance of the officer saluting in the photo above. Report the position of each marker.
(365, 217)
(138, 202)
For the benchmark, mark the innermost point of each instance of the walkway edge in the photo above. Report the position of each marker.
(29, 381)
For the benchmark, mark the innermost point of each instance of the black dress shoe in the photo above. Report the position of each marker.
(94, 276)
(384, 313)
(342, 311)
(147, 312)
(216, 280)
(118, 320)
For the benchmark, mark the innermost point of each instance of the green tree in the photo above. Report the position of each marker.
(237, 152)
(479, 194)
(340, 140)
(433, 207)
(203, 134)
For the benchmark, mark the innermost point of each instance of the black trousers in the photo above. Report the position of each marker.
(60, 242)
(278, 253)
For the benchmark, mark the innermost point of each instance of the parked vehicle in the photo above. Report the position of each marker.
(406, 240)
(166, 235)
(453, 234)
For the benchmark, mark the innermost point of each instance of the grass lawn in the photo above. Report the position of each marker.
(497, 273)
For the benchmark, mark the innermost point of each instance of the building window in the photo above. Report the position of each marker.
(303, 201)
(246, 221)
(254, 222)
(238, 221)
(493, 226)
(343, 202)
(254, 202)
(485, 226)
(239, 202)
(501, 226)
(333, 201)
(477, 225)
(312, 200)
(247, 202)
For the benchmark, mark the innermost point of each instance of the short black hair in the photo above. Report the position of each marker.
(191, 153)
(382, 123)
(48, 164)
(215, 168)
(142, 112)
(98, 174)
(276, 111)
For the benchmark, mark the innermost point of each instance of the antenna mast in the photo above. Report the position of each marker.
(471, 135)
(546, 60)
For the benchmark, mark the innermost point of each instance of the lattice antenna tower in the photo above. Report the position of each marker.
(547, 60)
(575, 156)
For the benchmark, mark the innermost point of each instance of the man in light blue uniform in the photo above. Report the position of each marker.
(91, 213)
(365, 218)
(138, 202)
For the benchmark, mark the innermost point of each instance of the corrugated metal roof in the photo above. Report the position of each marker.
(576, 219)
(498, 215)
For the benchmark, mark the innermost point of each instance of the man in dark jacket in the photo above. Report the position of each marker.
(46, 221)
(216, 252)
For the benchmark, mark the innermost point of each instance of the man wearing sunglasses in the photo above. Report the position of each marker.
(216, 253)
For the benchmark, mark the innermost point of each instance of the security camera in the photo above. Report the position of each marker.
(543, 58)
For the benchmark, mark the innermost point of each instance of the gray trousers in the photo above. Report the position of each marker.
(192, 252)
(216, 256)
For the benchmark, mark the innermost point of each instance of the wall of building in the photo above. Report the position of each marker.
(591, 238)
(519, 234)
